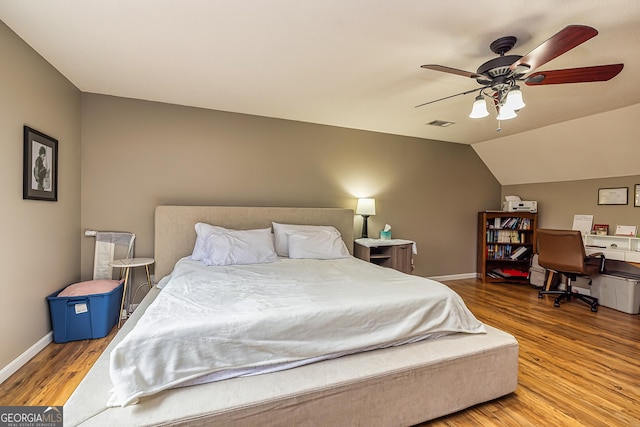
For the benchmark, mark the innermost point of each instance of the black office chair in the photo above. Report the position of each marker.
(562, 251)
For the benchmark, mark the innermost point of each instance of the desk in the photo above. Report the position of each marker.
(614, 267)
(620, 248)
(126, 265)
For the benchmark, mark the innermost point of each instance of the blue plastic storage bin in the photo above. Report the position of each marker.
(84, 317)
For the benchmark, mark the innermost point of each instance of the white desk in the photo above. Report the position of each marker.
(126, 264)
(621, 248)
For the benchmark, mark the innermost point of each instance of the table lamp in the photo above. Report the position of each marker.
(366, 208)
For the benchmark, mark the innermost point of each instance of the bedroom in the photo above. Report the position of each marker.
(117, 152)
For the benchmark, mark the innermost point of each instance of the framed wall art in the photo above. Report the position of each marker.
(613, 196)
(40, 170)
(636, 203)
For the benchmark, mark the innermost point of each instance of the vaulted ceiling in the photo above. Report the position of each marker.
(349, 63)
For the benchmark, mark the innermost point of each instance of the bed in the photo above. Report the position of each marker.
(397, 385)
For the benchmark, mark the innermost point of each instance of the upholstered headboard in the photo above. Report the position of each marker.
(175, 234)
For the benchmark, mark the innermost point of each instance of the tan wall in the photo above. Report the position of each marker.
(558, 202)
(139, 154)
(41, 245)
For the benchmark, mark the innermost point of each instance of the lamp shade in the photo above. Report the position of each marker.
(514, 99)
(506, 113)
(479, 109)
(366, 207)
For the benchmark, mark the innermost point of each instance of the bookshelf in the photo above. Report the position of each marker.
(506, 243)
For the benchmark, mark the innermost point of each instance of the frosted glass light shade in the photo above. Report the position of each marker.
(514, 99)
(479, 109)
(366, 207)
(506, 113)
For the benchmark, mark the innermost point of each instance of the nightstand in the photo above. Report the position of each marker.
(392, 253)
(125, 265)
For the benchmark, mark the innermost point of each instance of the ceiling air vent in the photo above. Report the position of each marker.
(440, 123)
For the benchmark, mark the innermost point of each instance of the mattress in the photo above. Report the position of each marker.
(395, 386)
(238, 320)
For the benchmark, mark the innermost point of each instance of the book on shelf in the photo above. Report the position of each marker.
(513, 223)
(505, 236)
(519, 253)
(505, 273)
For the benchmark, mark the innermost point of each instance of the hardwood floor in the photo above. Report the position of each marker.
(50, 377)
(577, 368)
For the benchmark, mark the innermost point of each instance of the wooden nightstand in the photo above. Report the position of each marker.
(393, 253)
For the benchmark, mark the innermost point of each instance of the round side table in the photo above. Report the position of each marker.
(126, 264)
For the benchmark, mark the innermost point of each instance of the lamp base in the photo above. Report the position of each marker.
(365, 233)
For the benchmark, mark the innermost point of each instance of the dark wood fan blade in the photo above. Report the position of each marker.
(447, 97)
(452, 71)
(561, 42)
(598, 73)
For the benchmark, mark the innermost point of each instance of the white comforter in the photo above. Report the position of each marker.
(223, 320)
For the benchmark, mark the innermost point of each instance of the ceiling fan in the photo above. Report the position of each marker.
(499, 77)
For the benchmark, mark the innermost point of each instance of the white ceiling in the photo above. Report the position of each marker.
(350, 63)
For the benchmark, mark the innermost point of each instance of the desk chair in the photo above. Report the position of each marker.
(562, 251)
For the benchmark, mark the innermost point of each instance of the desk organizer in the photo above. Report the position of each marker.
(84, 317)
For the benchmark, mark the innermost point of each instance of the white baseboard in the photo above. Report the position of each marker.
(21, 360)
(454, 277)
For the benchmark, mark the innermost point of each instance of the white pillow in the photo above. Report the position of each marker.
(203, 231)
(320, 244)
(281, 231)
(232, 247)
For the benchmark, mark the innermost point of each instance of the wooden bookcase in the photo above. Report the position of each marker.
(506, 243)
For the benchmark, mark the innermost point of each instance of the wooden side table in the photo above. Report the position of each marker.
(125, 265)
(393, 253)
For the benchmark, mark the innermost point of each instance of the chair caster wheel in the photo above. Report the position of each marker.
(594, 309)
(556, 304)
(540, 295)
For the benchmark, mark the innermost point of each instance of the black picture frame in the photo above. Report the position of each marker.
(40, 168)
(613, 196)
(636, 202)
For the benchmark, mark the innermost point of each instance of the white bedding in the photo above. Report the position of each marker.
(209, 320)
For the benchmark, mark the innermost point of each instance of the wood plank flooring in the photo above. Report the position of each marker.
(577, 368)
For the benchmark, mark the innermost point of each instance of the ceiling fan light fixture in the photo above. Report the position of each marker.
(505, 113)
(479, 109)
(514, 99)
(499, 76)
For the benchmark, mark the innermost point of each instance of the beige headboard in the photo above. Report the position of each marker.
(175, 234)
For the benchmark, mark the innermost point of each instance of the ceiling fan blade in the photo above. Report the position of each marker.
(561, 42)
(598, 73)
(452, 71)
(450, 96)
